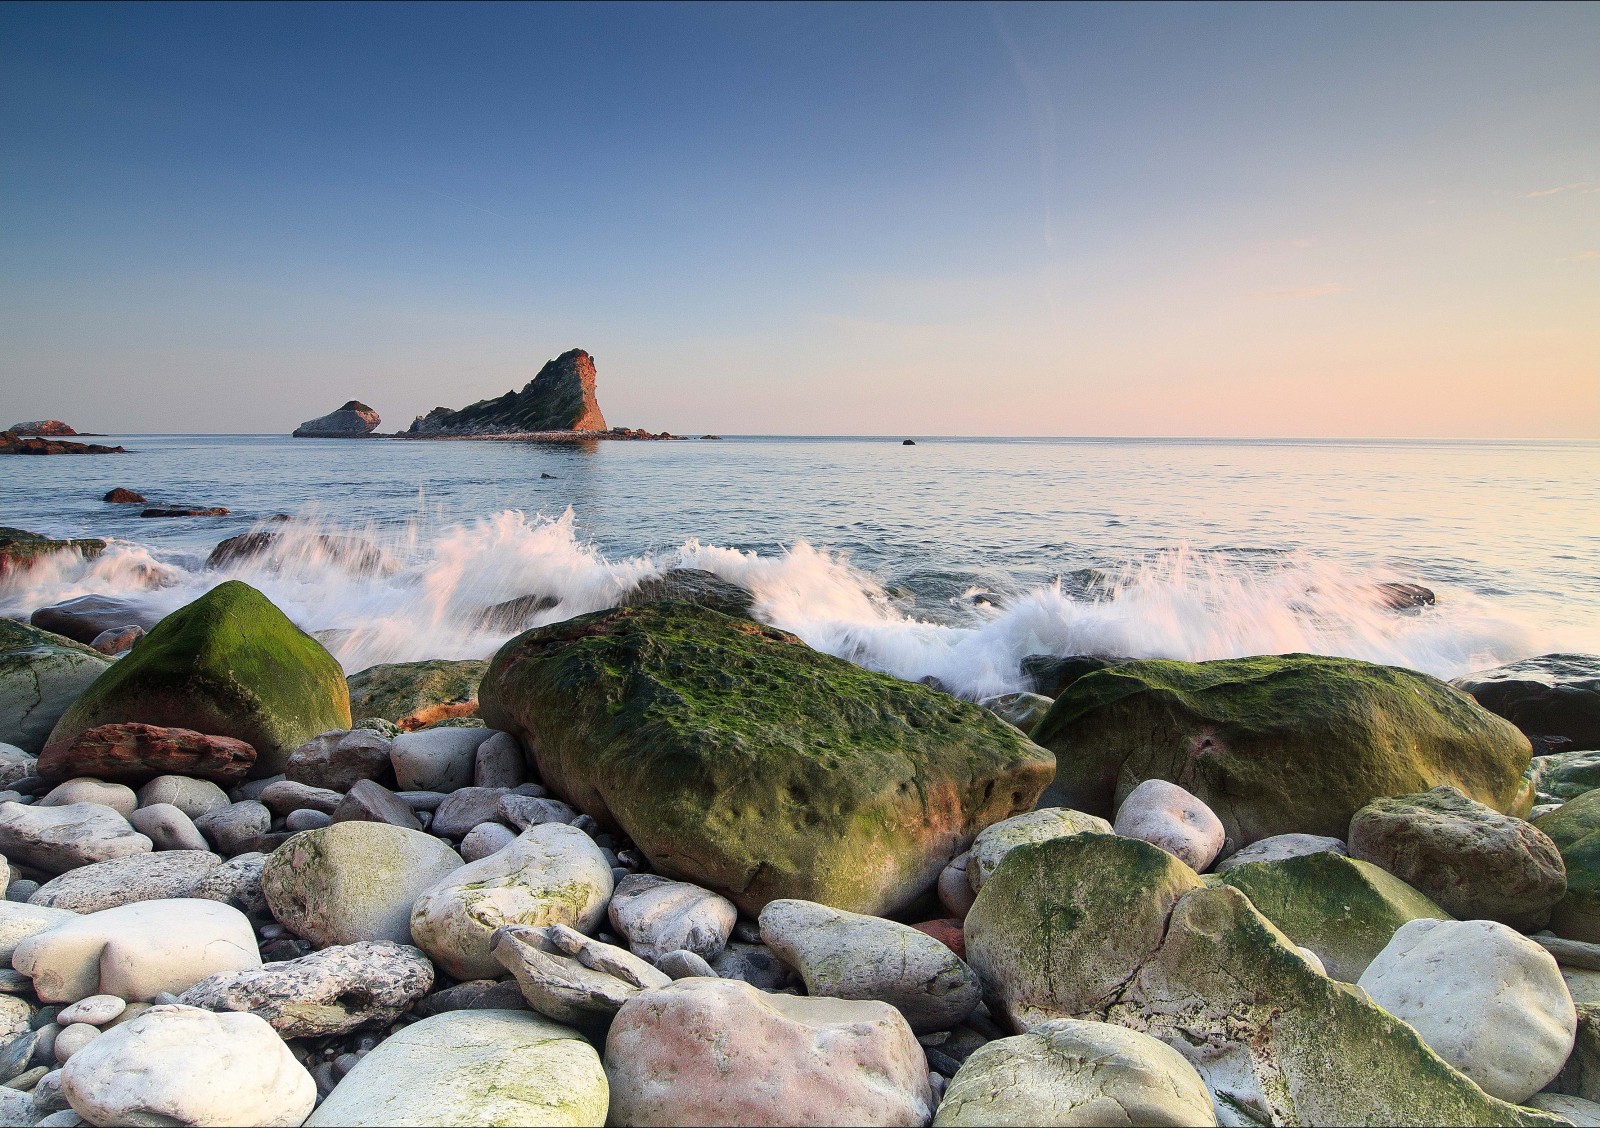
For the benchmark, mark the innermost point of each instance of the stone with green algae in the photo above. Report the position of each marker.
(228, 664)
(1575, 829)
(740, 759)
(413, 695)
(41, 675)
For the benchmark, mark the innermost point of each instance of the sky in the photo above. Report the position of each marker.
(1226, 220)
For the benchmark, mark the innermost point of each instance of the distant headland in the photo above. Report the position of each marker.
(557, 405)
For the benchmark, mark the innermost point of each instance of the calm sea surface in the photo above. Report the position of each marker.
(953, 557)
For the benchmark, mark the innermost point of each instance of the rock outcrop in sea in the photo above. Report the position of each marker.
(352, 421)
(50, 428)
(560, 398)
(13, 443)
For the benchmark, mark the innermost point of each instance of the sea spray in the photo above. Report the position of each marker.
(398, 593)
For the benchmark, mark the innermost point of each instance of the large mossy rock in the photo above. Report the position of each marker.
(740, 759)
(41, 675)
(1279, 744)
(414, 695)
(1551, 695)
(1113, 930)
(693, 585)
(1344, 910)
(20, 549)
(228, 664)
(1575, 829)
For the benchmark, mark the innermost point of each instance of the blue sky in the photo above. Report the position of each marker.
(1191, 219)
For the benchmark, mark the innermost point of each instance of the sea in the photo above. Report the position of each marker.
(953, 558)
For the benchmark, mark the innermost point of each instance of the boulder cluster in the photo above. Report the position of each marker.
(664, 864)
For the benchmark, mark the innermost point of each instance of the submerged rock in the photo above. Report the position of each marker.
(228, 664)
(472, 1067)
(1072, 1072)
(1278, 744)
(41, 674)
(414, 695)
(352, 421)
(739, 759)
(714, 1051)
(560, 398)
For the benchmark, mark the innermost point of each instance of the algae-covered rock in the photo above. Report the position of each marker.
(693, 585)
(1344, 910)
(41, 675)
(471, 1067)
(995, 842)
(414, 695)
(228, 664)
(1072, 1072)
(20, 549)
(1565, 775)
(1575, 829)
(1279, 744)
(741, 760)
(1114, 930)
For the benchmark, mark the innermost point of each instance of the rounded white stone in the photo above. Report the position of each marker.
(1165, 815)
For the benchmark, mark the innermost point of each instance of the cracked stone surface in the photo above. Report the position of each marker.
(851, 956)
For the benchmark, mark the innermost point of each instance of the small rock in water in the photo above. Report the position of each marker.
(168, 828)
(566, 976)
(658, 916)
(121, 496)
(1280, 848)
(1490, 1002)
(369, 801)
(1165, 815)
(119, 798)
(845, 955)
(183, 1065)
(738, 1056)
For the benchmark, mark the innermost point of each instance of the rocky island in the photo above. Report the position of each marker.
(46, 436)
(355, 420)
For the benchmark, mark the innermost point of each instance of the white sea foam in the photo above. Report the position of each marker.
(421, 595)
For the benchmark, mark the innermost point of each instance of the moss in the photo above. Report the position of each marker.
(20, 548)
(737, 757)
(414, 695)
(1343, 909)
(228, 664)
(1277, 744)
(1575, 829)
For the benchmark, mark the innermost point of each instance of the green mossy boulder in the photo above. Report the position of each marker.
(1565, 775)
(1575, 829)
(1101, 928)
(1344, 910)
(20, 549)
(693, 585)
(228, 664)
(1279, 744)
(738, 758)
(414, 695)
(41, 675)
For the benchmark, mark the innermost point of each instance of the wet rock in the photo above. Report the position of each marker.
(183, 1065)
(435, 759)
(1165, 815)
(84, 618)
(194, 797)
(1475, 862)
(56, 839)
(552, 874)
(1551, 695)
(114, 795)
(338, 760)
(137, 753)
(353, 881)
(1052, 676)
(991, 847)
(568, 977)
(693, 585)
(122, 881)
(228, 664)
(121, 496)
(688, 716)
(703, 1051)
(413, 695)
(473, 1067)
(168, 828)
(117, 640)
(1280, 848)
(1021, 709)
(1490, 1002)
(466, 808)
(329, 992)
(137, 951)
(658, 916)
(845, 955)
(1072, 1072)
(369, 801)
(185, 511)
(41, 674)
(20, 550)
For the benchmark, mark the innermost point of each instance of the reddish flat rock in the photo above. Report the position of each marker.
(948, 932)
(137, 753)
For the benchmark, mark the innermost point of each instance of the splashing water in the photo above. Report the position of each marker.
(390, 595)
